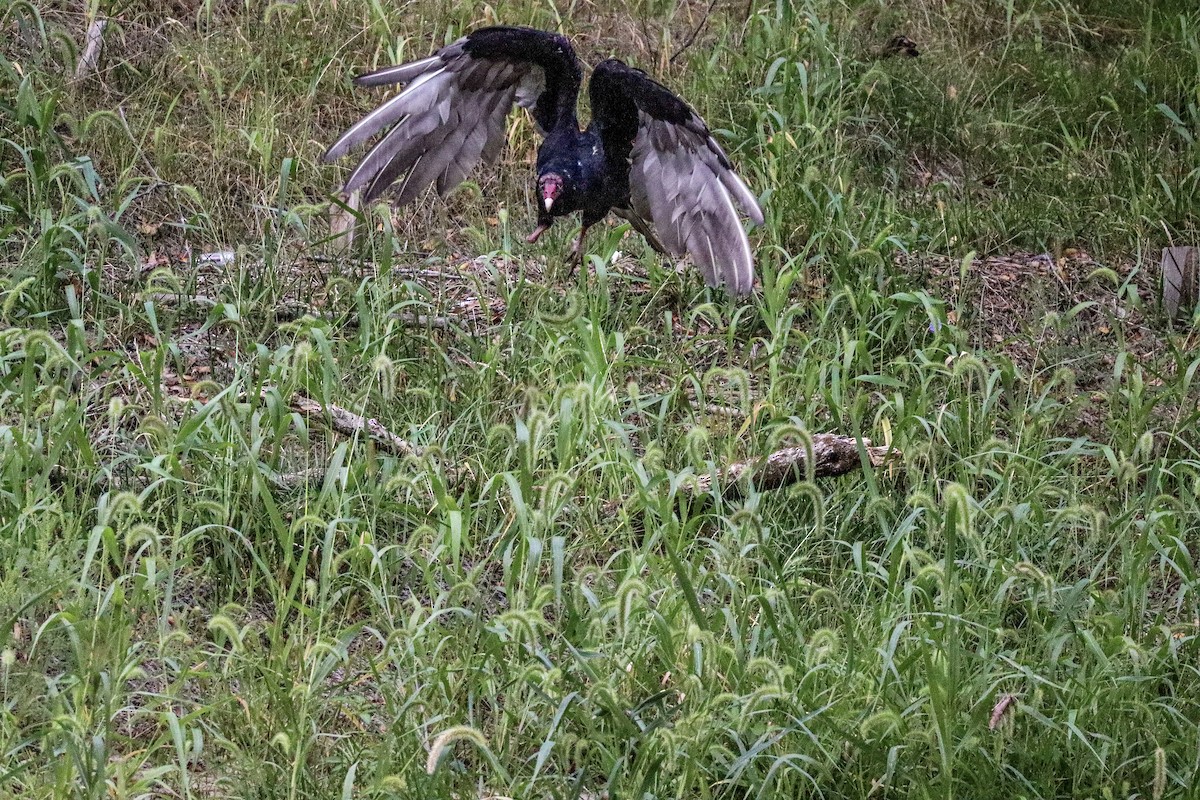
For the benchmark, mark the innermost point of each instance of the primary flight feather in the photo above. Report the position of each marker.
(646, 156)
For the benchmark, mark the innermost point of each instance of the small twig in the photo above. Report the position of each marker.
(405, 272)
(646, 39)
(699, 27)
(423, 320)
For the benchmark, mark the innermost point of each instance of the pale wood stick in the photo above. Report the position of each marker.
(832, 455)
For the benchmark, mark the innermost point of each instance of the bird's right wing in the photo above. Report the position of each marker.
(679, 177)
(451, 115)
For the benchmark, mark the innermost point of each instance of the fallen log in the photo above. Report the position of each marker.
(350, 424)
(831, 456)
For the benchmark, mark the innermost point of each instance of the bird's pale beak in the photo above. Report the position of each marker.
(549, 202)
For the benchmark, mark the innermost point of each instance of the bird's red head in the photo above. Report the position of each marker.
(549, 185)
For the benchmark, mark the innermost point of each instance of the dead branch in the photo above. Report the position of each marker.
(343, 216)
(718, 410)
(348, 423)
(89, 62)
(424, 320)
(832, 455)
(294, 480)
(290, 311)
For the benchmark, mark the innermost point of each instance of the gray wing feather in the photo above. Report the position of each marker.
(736, 187)
(681, 180)
(414, 97)
(401, 73)
(447, 120)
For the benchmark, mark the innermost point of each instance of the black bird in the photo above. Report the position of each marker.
(647, 156)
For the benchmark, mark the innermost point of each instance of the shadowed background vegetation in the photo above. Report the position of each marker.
(204, 593)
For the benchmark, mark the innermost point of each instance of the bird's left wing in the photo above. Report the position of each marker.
(679, 177)
(451, 115)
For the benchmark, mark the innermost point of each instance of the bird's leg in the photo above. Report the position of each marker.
(577, 250)
(537, 232)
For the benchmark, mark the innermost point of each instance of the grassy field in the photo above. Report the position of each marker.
(205, 593)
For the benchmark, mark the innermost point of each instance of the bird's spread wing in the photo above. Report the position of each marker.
(679, 177)
(451, 115)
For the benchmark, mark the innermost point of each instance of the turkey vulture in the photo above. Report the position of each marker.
(647, 156)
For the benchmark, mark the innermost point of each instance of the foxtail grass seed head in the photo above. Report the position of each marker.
(1000, 710)
(1160, 774)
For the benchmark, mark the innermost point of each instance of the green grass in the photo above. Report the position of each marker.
(177, 619)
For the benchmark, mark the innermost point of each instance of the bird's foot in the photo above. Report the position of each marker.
(537, 233)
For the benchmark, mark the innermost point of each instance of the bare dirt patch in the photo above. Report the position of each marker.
(1045, 311)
